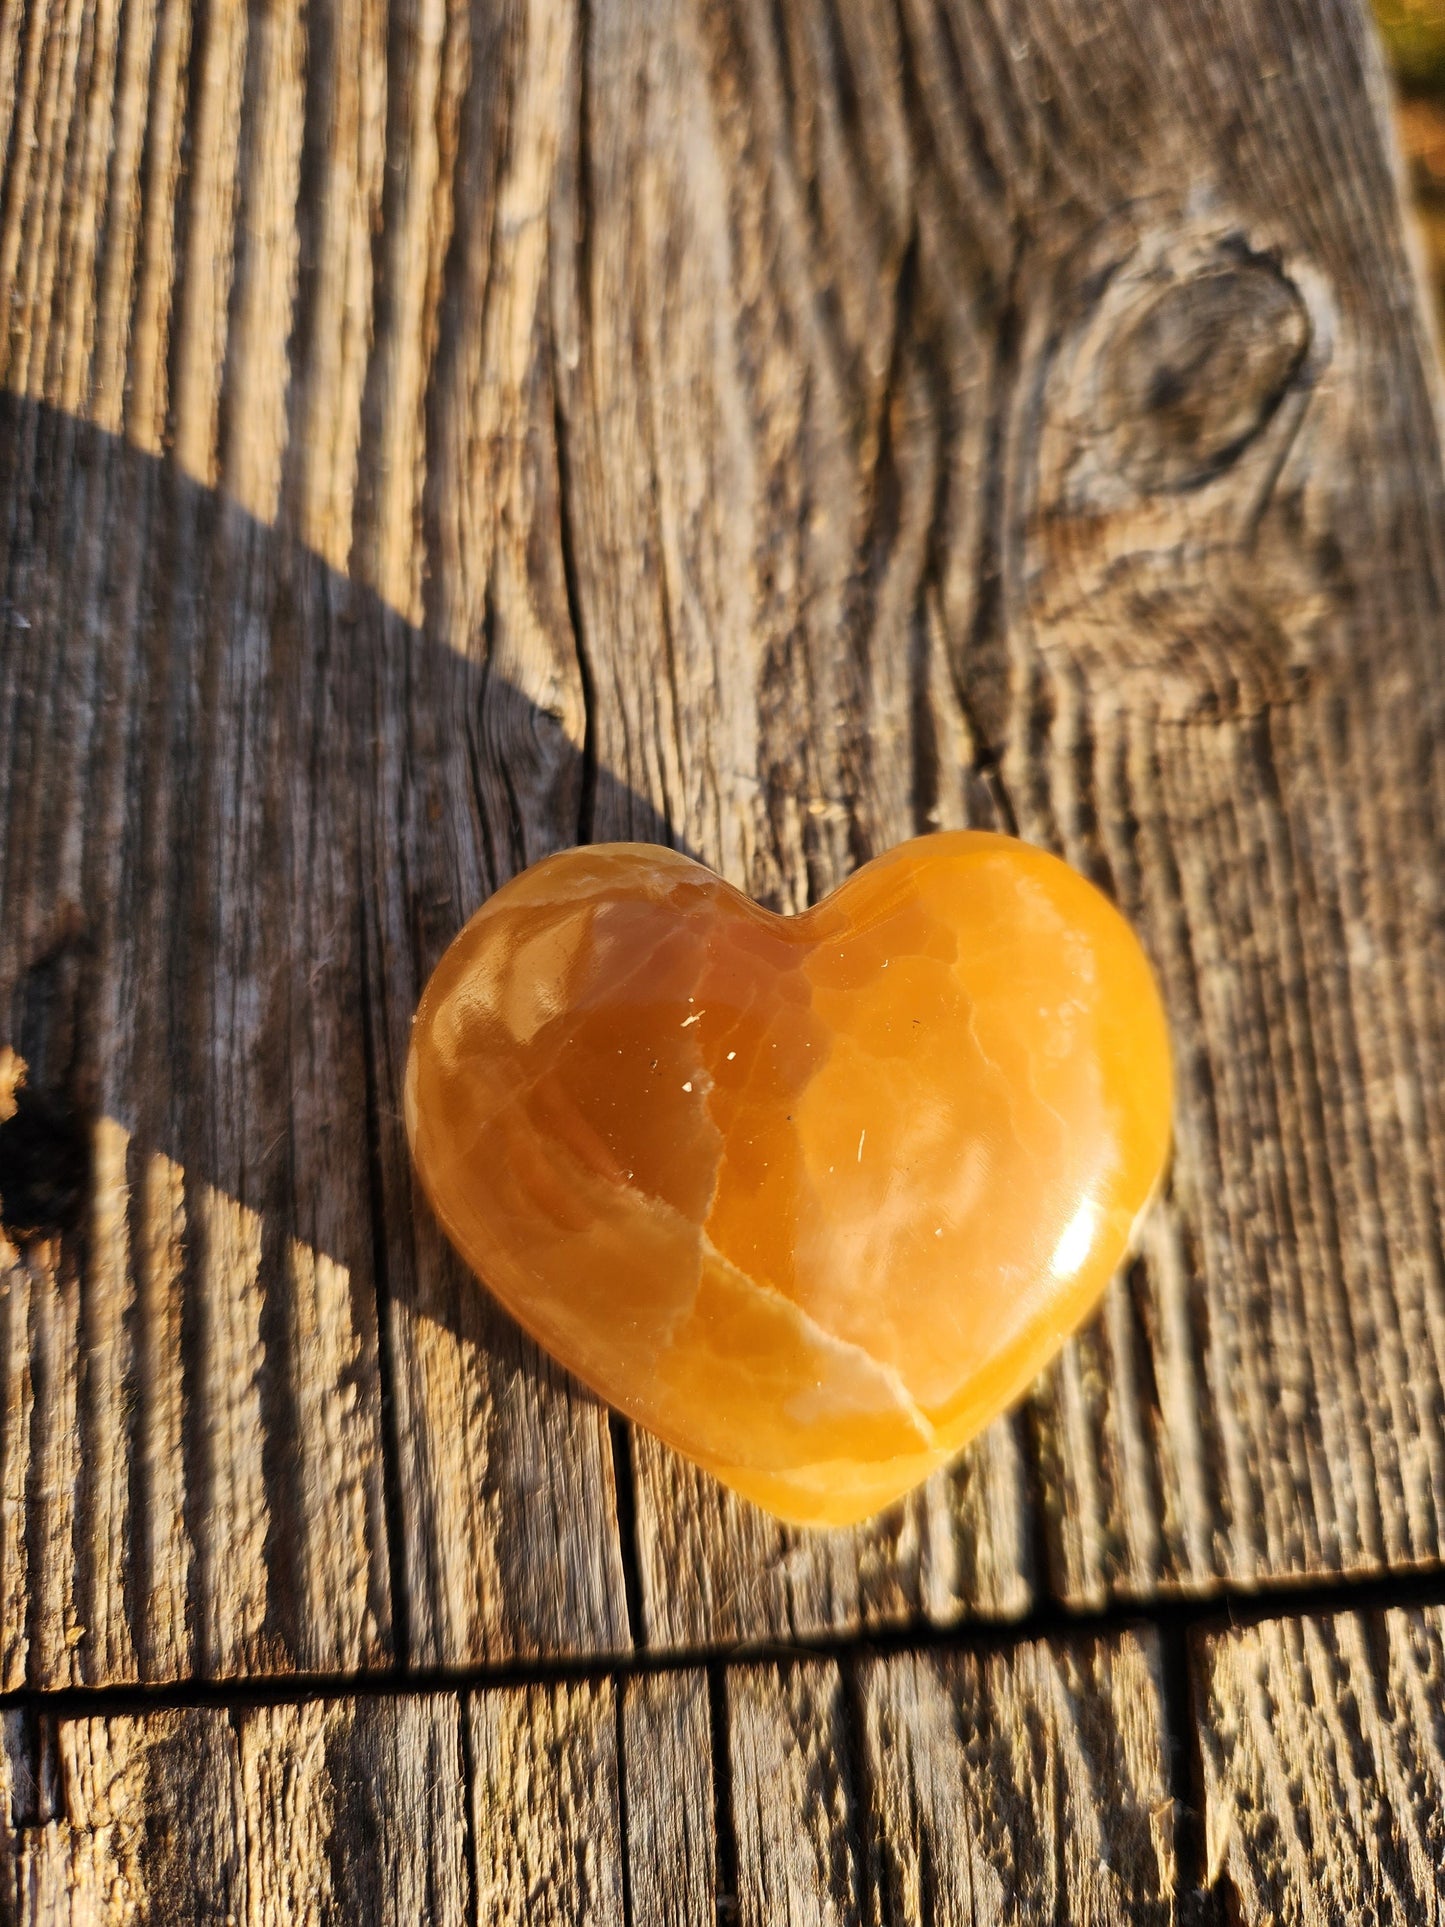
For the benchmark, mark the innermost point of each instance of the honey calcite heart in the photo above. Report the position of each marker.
(815, 1197)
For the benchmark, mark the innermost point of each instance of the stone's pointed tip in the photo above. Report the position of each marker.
(951, 1088)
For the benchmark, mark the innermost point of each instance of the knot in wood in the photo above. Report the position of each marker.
(1170, 551)
(1192, 377)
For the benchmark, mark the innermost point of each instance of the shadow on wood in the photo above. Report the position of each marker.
(290, 799)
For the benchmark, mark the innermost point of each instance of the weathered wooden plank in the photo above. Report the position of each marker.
(1025, 1785)
(752, 477)
(263, 1346)
(545, 1806)
(1159, 646)
(359, 1809)
(1030, 1785)
(1206, 639)
(1323, 1744)
(141, 697)
(231, 1366)
(792, 1796)
(505, 1467)
(715, 1569)
(150, 1820)
(670, 1801)
(346, 1809)
(17, 1805)
(214, 1500)
(773, 431)
(594, 1801)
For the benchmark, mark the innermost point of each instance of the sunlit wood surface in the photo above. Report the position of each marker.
(433, 434)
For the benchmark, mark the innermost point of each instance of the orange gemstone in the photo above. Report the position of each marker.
(813, 1198)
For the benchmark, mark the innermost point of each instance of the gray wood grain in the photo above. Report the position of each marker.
(594, 1801)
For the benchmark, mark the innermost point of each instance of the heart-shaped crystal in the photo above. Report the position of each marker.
(811, 1197)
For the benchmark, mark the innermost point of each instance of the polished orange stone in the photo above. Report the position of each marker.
(813, 1198)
